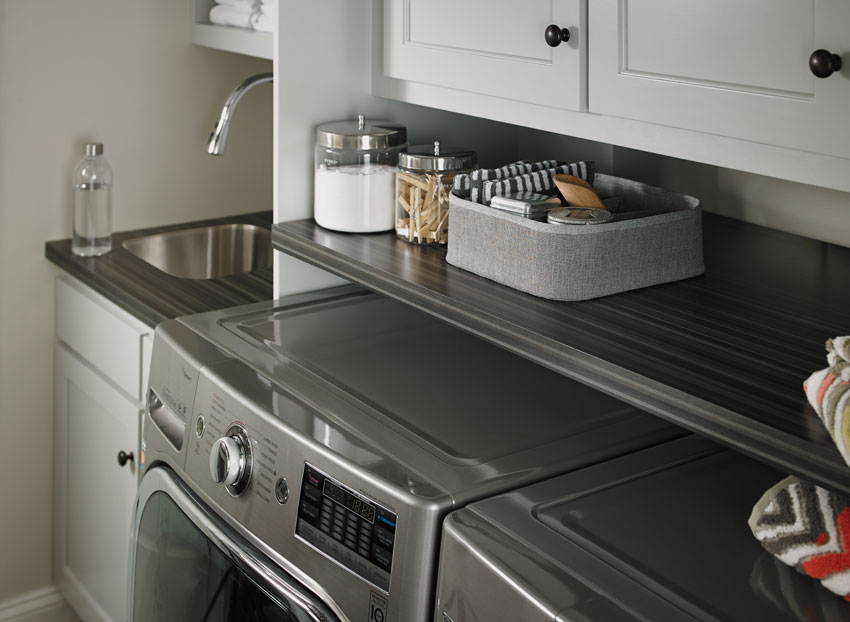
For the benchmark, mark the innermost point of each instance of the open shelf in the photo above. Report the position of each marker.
(723, 354)
(227, 38)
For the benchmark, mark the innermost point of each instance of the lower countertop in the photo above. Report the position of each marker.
(150, 294)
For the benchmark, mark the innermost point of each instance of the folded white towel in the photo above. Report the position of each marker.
(269, 7)
(229, 15)
(264, 22)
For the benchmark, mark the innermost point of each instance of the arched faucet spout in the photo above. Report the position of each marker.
(218, 138)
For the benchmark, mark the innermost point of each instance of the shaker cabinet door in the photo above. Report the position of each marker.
(492, 47)
(726, 67)
(94, 494)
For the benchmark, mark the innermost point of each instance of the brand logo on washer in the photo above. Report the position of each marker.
(377, 607)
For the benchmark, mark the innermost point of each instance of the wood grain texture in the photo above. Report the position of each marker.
(723, 354)
(152, 295)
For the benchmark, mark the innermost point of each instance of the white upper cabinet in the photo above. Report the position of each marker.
(725, 67)
(494, 47)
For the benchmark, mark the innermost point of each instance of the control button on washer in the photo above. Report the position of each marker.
(384, 537)
(382, 557)
(313, 494)
(309, 511)
(281, 491)
(200, 426)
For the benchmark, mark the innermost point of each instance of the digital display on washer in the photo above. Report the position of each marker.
(346, 526)
(362, 508)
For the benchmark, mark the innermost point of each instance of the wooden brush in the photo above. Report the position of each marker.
(577, 192)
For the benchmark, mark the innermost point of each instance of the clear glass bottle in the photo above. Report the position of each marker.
(92, 234)
(424, 181)
(355, 174)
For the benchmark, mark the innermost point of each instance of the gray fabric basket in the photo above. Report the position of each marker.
(578, 262)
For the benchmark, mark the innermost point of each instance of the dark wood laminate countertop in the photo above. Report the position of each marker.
(152, 295)
(724, 354)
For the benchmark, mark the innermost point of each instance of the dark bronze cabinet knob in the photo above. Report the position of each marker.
(124, 457)
(555, 35)
(824, 63)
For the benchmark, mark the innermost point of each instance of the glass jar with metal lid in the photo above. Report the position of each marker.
(354, 180)
(425, 177)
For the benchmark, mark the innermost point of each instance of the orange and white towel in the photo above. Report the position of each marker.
(828, 391)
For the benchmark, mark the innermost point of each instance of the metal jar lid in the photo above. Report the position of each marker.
(578, 216)
(360, 135)
(437, 158)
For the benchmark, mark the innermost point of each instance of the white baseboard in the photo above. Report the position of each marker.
(41, 605)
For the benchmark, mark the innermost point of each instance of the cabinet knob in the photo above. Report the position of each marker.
(824, 63)
(554, 35)
(123, 457)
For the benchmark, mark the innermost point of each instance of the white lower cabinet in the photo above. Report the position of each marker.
(95, 420)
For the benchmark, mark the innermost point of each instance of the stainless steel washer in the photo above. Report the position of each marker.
(328, 435)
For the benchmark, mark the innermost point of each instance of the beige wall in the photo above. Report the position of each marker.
(122, 72)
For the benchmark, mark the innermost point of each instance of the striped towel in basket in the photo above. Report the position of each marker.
(481, 185)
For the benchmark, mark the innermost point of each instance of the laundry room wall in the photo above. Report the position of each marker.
(124, 73)
(803, 209)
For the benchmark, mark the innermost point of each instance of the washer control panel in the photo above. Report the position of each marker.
(346, 526)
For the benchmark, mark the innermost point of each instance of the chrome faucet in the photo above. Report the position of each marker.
(218, 138)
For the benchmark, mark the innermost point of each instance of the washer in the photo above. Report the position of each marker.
(657, 535)
(299, 456)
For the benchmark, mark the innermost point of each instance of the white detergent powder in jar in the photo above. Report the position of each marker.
(356, 198)
(354, 176)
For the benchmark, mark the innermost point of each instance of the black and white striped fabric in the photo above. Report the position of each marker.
(467, 181)
(482, 185)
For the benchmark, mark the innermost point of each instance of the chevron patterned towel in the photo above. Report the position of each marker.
(808, 528)
(828, 391)
(783, 588)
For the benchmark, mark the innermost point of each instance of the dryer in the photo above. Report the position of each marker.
(658, 535)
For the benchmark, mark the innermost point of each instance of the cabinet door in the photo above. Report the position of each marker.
(94, 494)
(737, 69)
(494, 47)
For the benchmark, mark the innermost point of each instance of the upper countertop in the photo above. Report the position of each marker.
(724, 354)
(152, 295)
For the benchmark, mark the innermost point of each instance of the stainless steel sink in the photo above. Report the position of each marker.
(206, 252)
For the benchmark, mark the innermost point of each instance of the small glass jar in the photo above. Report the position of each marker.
(425, 177)
(354, 178)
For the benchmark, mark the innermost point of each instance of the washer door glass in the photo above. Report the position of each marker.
(187, 569)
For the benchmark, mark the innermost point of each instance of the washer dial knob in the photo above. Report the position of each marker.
(230, 460)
